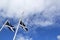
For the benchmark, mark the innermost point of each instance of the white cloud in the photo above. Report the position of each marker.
(23, 8)
(45, 19)
(42, 23)
(20, 37)
(16, 7)
(58, 37)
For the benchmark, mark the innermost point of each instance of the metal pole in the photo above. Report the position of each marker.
(3, 26)
(18, 27)
(16, 30)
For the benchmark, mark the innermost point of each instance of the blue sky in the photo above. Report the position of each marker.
(42, 18)
(41, 33)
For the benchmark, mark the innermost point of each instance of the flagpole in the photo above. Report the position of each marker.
(18, 26)
(3, 26)
(16, 31)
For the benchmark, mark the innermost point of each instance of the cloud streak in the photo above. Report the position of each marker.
(18, 8)
(58, 37)
(21, 37)
(25, 8)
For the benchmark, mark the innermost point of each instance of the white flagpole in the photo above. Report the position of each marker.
(17, 27)
(3, 26)
(16, 30)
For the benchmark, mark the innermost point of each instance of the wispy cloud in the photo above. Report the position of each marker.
(21, 37)
(23, 8)
(58, 37)
(17, 7)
